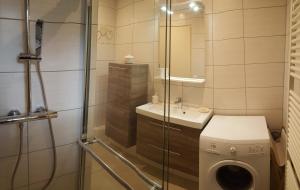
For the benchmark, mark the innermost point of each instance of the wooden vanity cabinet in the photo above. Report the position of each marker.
(127, 89)
(183, 144)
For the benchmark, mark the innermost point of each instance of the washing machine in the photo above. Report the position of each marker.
(235, 154)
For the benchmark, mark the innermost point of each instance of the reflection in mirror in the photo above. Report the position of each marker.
(188, 37)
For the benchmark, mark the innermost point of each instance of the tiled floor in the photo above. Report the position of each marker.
(99, 179)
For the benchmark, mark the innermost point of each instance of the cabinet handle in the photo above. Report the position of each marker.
(161, 125)
(160, 149)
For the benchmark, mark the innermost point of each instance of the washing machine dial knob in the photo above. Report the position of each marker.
(232, 150)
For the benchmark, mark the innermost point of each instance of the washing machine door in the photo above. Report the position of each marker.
(233, 175)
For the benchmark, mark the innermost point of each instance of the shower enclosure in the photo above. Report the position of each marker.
(147, 52)
(101, 65)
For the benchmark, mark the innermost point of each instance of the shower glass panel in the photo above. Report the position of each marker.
(126, 146)
(184, 49)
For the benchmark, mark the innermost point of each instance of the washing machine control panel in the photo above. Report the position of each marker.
(235, 149)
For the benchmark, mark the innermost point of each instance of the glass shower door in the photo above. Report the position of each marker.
(184, 50)
(125, 145)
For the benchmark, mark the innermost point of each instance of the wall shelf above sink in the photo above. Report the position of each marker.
(182, 79)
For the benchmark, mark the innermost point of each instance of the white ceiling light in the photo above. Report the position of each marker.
(163, 8)
(196, 9)
(192, 4)
(170, 12)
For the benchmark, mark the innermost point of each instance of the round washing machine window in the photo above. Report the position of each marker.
(233, 175)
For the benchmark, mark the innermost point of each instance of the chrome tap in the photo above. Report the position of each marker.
(178, 101)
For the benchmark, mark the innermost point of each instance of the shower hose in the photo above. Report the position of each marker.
(38, 69)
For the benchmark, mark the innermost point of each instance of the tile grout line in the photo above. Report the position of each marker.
(243, 8)
(244, 48)
(39, 150)
(249, 37)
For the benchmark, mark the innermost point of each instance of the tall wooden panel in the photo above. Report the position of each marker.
(127, 89)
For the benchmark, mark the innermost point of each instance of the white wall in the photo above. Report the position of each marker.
(62, 67)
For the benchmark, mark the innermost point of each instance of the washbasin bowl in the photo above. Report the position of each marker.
(187, 116)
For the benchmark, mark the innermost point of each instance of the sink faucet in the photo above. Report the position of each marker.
(178, 101)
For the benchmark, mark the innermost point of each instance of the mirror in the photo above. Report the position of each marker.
(188, 39)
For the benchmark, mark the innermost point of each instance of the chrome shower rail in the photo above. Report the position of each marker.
(153, 184)
(28, 117)
(85, 147)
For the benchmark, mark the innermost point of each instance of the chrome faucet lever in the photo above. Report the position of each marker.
(178, 100)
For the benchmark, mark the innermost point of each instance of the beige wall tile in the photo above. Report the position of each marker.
(9, 134)
(40, 162)
(198, 96)
(229, 52)
(102, 68)
(263, 3)
(143, 52)
(12, 9)
(232, 76)
(198, 62)
(105, 52)
(56, 11)
(11, 43)
(273, 117)
(124, 34)
(108, 3)
(264, 75)
(265, 49)
(208, 4)
(125, 15)
(144, 10)
(221, 5)
(106, 16)
(230, 99)
(67, 95)
(202, 25)
(66, 130)
(230, 112)
(100, 113)
(228, 25)
(123, 3)
(209, 76)
(265, 22)
(176, 91)
(122, 50)
(144, 31)
(265, 98)
(69, 181)
(209, 53)
(7, 164)
(198, 41)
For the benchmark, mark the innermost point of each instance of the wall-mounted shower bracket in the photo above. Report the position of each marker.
(29, 57)
(28, 117)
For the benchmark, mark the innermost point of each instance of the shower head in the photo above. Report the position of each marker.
(38, 37)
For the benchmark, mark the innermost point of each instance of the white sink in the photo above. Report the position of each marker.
(186, 116)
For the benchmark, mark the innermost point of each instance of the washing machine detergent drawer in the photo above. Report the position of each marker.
(239, 150)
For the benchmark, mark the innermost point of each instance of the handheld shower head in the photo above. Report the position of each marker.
(38, 37)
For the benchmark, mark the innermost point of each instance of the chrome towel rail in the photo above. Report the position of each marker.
(28, 117)
(105, 166)
(153, 184)
(130, 164)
